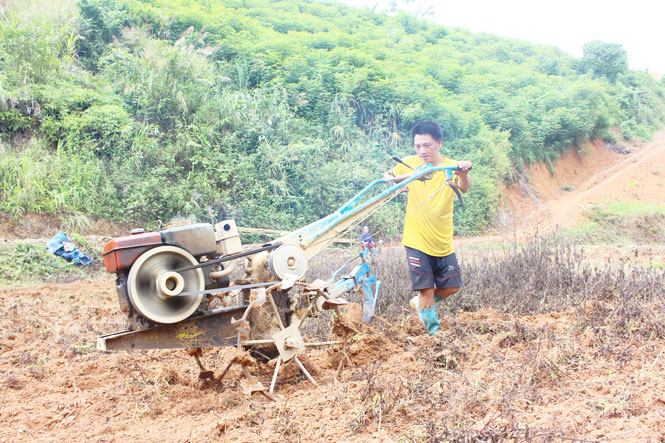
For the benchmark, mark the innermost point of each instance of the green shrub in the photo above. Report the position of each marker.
(36, 180)
(13, 121)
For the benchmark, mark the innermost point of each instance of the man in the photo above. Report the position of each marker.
(428, 227)
(366, 241)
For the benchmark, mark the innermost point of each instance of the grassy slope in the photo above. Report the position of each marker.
(274, 112)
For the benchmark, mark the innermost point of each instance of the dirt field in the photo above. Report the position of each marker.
(487, 377)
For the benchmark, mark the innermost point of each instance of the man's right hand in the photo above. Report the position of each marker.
(391, 178)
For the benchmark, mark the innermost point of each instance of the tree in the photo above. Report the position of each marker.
(421, 9)
(604, 59)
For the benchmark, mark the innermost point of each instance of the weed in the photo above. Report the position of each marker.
(255, 415)
(83, 349)
(622, 222)
(287, 427)
(22, 263)
(76, 223)
(94, 251)
(379, 396)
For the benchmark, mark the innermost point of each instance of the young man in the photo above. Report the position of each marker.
(428, 227)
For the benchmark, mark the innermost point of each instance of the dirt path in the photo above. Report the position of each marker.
(613, 183)
(544, 203)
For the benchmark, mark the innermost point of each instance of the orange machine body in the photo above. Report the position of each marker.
(121, 253)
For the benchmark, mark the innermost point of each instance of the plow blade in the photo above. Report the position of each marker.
(205, 331)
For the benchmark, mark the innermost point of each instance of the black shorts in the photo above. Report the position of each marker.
(433, 272)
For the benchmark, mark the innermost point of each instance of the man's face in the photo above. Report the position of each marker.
(427, 148)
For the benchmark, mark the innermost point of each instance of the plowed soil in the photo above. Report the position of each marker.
(487, 375)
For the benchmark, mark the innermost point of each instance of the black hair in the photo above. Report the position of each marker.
(427, 127)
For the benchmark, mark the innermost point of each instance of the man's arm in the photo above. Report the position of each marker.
(464, 180)
(395, 179)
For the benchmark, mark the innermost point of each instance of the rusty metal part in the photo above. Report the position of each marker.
(241, 327)
(204, 374)
(317, 285)
(333, 303)
(289, 342)
(252, 384)
(121, 253)
(210, 330)
(242, 359)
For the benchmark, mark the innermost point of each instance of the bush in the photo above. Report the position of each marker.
(36, 180)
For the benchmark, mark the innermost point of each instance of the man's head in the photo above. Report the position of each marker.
(427, 127)
(366, 229)
(427, 139)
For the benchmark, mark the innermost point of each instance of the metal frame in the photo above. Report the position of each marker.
(318, 235)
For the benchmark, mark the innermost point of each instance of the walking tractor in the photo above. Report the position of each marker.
(174, 285)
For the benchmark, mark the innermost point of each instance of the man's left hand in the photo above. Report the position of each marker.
(464, 167)
(464, 182)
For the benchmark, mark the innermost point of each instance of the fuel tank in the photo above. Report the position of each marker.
(121, 253)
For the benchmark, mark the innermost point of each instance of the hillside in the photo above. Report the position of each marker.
(275, 112)
(548, 201)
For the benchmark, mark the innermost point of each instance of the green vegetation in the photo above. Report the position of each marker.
(605, 59)
(24, 263)
(622, 222)
(274, 112)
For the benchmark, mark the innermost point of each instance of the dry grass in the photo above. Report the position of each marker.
(543, 275)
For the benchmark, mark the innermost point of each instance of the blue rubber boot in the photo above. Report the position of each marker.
(437, 298)
(427, 316)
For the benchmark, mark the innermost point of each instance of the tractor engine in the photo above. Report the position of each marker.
(152, 270)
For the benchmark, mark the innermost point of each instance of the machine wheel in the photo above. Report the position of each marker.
(288, 260)
(154, 287)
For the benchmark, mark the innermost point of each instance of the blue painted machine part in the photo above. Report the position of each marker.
(353, 206)
(343, 267)
(359, 279)
(371, 291)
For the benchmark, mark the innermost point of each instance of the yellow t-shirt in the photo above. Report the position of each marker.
(428, 226)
